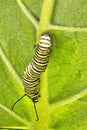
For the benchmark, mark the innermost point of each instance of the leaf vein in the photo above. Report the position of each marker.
(28, 13)
(68, 100)
(70, 29)
(10, 67)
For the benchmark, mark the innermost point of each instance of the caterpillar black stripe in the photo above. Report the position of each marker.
(31, 76)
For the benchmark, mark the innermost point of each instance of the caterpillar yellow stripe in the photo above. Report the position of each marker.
(31, 76)
(38, 64)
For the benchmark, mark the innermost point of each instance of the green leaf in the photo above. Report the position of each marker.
(11, 120)
(63, 86)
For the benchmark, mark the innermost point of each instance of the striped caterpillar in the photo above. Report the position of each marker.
(36, 67)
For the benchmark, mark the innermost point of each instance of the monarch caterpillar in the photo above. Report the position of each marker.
(31, 76)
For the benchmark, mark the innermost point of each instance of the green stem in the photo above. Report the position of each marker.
(42, 105)
(46, 16)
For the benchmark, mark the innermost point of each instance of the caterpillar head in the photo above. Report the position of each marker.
(45, 41)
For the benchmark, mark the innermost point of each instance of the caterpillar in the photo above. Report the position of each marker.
(32, 73)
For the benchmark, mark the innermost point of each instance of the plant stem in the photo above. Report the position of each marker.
(42, 105)
(46, 16)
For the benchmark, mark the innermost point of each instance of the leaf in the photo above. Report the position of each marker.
(63, 86)
(10, 119)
